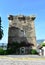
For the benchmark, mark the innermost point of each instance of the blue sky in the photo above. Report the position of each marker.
(25, 7)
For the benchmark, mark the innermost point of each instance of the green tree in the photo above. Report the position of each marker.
(1, 31)
(42, 44)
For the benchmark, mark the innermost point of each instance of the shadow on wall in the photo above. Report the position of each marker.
(16, 35)
(17, 40)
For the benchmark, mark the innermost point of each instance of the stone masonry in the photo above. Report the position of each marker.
(21, 28)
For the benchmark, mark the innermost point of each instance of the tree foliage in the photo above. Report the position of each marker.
(1, 31)
(42, 44)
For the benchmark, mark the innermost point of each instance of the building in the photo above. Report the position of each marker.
(41, 48)
(21, 28)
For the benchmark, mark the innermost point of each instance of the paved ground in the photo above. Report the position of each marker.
(22, 60)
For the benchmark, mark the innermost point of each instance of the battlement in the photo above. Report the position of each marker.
(21, 17)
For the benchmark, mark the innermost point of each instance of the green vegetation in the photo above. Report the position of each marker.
(33, 51)
(1, 31)
(2, 52)
(15, 49)
(43, 44)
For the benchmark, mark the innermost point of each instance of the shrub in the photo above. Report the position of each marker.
(1, 51)
(33, 51)
(14, 49)
(9, 51)
(43, 44)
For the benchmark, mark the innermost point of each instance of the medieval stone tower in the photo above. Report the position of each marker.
(21, 28)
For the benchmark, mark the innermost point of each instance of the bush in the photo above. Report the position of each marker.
(3, 52)
(43, 44)
(13, 48)
(33, 51)
(9, 51)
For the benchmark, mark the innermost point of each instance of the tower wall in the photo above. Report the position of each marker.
(21, 28)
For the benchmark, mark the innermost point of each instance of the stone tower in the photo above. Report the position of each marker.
(21, 28)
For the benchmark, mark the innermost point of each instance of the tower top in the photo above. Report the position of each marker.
(32, 17)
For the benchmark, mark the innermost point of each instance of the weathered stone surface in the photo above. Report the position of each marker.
(21, 28)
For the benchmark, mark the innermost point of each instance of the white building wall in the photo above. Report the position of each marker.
(43, 52)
